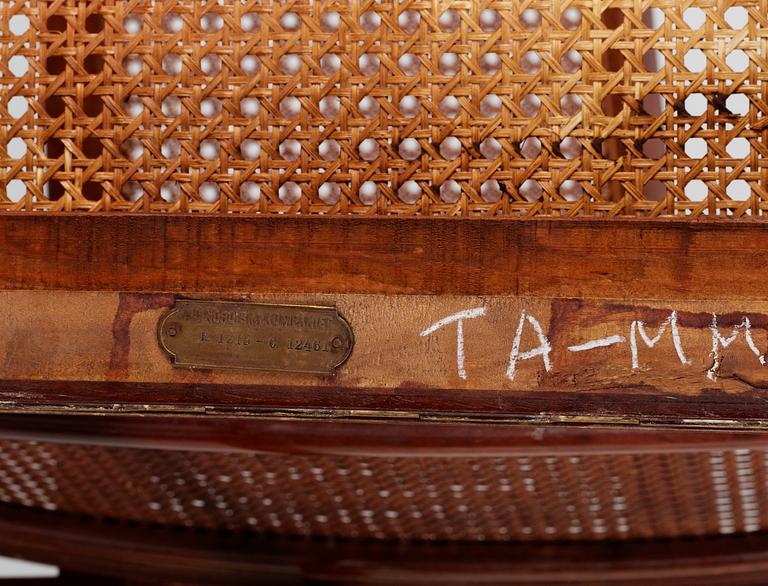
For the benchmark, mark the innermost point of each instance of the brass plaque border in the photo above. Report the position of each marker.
(179, 362)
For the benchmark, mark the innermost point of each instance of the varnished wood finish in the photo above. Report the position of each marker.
(305, 436)
(546, 406)
(187, 557)
(574, 258)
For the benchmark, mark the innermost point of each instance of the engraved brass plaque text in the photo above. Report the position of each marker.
(224, 334)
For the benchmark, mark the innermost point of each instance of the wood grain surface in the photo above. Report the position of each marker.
(651, 259)
(521, 356)
(375, 438)
(80, 297)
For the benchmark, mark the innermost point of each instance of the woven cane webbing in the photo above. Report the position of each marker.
(584, 497)
(483, 108)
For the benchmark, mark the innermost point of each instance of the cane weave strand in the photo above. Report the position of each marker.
(482, 108)
(579, 497)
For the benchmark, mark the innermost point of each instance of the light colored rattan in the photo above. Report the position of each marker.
(85, 69)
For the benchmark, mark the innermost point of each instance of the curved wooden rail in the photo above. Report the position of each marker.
(180, 556)
(295, 435)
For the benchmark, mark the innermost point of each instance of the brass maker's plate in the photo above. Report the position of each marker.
(224, 334)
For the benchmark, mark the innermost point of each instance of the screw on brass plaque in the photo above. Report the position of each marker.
(255, 336)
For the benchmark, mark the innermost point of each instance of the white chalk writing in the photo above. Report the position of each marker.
(543, 349)
(718, 341)
(599, 343)
(459, 319)
(638, 327)
(637, 330)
